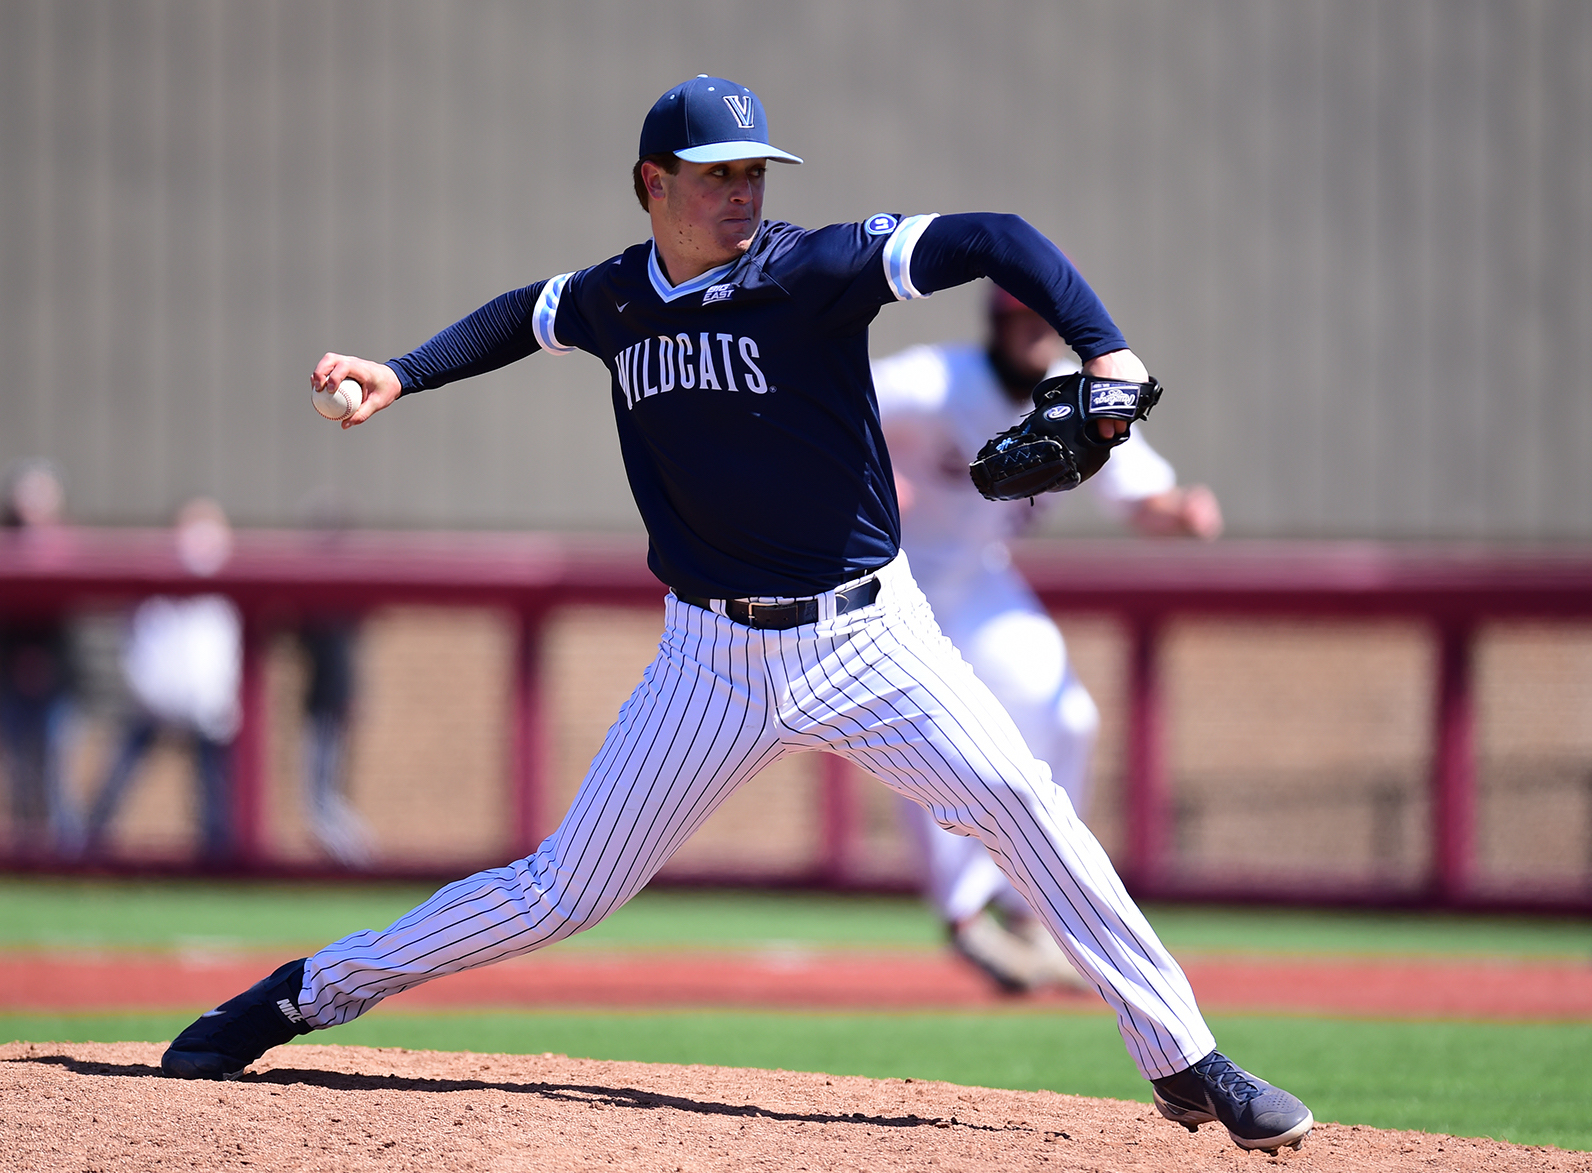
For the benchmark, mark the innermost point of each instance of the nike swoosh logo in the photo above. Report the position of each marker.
(210, 1013)
(620, 305)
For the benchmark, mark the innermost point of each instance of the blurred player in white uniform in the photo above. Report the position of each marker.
(183, 663)
(939, 404)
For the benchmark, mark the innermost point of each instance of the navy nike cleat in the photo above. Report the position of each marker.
(223, 1041)
(1255, 1114)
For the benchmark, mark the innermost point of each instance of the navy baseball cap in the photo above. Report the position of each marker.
(709, 120)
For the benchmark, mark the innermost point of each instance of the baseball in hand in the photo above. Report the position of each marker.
(341, 403)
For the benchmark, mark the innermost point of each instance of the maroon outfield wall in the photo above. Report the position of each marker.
(275, 575)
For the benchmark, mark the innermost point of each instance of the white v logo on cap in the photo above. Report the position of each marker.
(691, 123)
(741, 106)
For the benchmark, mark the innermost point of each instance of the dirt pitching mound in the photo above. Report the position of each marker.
(103, 1107)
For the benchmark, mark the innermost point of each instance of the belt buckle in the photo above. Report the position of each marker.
(768, 611)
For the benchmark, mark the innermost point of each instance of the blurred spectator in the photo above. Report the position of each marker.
(183, 660)
(36, 681)
(328, 643)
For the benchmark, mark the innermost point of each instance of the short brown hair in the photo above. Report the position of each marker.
(668, 161)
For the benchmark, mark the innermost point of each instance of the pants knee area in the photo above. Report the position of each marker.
(985, 807)
(548, 894)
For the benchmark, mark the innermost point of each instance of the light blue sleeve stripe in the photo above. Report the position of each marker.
(546, 311)
(898, 256)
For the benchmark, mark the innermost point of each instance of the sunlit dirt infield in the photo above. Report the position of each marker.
(105, 1107)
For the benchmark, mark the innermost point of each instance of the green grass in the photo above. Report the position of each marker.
(1528, 1084)
(174, 914)
(1399, 934)
(99, 914)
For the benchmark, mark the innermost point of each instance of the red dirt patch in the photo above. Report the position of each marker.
(104, 1107)
(1513, 990)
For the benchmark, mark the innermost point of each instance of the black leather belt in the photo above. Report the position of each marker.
(781, 616)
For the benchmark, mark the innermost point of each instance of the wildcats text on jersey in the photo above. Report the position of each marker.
(709, 361)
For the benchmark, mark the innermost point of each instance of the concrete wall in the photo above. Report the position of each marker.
(1352, 238)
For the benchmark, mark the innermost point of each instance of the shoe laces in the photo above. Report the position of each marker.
(1227, 1077)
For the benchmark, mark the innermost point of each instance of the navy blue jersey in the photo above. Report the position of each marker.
(746, 413)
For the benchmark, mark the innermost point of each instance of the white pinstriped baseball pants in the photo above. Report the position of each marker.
(880, 686)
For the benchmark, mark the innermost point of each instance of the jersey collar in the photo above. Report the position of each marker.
(747, 274)
(667, 292)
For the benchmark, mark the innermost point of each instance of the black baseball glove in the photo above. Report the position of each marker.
(1057, 446)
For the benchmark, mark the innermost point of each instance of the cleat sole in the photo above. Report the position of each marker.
(1294, 1138)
